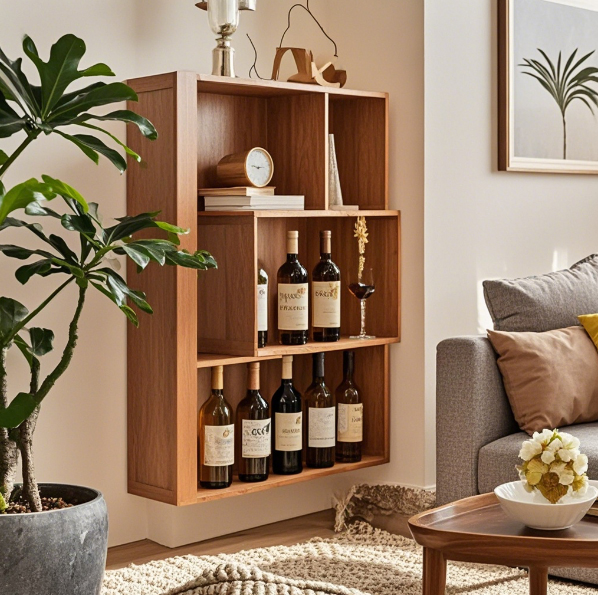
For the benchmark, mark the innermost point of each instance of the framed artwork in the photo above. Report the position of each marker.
(548, 86)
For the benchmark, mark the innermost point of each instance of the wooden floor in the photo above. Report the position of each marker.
(319, 524)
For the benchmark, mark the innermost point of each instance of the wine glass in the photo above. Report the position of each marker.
(362, 287)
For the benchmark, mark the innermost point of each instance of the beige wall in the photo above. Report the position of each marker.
(82, 432)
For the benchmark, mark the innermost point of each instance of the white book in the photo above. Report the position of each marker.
(253, 201)
(277, 207)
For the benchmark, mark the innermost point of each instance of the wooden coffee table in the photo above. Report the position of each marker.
(477, 530)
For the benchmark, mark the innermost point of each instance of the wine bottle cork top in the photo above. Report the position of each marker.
(287, 367)
(292, 242)
(253, 380)
(325, 242)
(217, 378)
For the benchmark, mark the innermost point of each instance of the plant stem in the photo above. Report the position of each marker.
(25, 443)
(31, 136)
(9, 455)
(67, 354)
(35, 312)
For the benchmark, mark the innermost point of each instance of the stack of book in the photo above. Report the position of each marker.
(245, 198)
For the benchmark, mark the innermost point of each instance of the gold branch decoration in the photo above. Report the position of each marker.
(361, 233)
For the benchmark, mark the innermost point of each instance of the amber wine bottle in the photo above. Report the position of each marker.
(253, 431)
(262, 308)
(293, 297)
(326, 294)
(287, 424)
(216, 434)
(349, 414)
(321, 413)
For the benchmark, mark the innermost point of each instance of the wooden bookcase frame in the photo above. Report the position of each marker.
(201, 118)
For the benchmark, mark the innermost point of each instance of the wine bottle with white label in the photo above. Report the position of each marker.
(216, 436)
(293, 296)
(252, 428)
(287, 424)
(326, 294)
(321, 419)
(349, 407)
(262, 308)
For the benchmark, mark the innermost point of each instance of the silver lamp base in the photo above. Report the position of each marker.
(223, 63)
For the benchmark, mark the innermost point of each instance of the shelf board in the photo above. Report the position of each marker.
(208, 83)
(207, 360)
(238, 488)
(285, 214)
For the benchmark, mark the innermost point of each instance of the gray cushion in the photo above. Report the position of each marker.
(545, 302)
(497, 460)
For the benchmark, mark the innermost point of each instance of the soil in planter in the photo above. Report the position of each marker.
(22, 507)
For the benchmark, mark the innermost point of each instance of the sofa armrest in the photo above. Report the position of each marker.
(472, 410)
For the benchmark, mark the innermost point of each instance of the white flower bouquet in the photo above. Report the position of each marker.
(553, 465)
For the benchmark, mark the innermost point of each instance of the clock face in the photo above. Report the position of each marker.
(259, 167)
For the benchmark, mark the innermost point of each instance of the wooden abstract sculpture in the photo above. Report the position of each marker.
(307, 70)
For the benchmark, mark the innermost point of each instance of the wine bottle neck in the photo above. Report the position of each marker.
(318, 369)
(291, 257)
(348, 365)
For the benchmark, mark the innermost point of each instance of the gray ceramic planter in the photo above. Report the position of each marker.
(61, 552)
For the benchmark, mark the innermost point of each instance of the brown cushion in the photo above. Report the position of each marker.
(551, 378)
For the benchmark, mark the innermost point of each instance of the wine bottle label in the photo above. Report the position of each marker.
(350, 422)
(322, 430)
(262, 307)
(256, 441)
(289, 431)
(292, 306)
(326, 304)
(219, 446)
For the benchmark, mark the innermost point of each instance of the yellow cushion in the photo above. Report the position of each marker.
(590, 323)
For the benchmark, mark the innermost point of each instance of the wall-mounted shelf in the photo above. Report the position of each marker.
(211, 319)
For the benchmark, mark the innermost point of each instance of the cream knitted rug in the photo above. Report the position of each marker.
(362, 560)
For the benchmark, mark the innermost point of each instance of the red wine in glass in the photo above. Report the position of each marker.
(362, 287)
(361, 291)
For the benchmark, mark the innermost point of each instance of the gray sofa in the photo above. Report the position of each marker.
(478, 440)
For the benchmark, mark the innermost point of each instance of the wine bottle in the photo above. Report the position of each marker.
(262, 308)
(216, 434)
(292, 296)
(287, 424)
(253, 431)
(349, 414)
(326, 294)
(321, 413)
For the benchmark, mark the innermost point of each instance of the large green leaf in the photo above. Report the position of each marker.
(127, 226)
(15, 86)
(79, 223)
(145, 126)
(41, 267)
(121, 291)
(91, 146)
(21, 253)
(19, 409)
(66, 191)
(127, 149)
(40, 342)
(3, 159)
(10, 122)
(101, 95)
(62, 68)
(11, 313)
(23, 194)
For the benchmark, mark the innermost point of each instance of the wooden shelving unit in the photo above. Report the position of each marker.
(210, 319)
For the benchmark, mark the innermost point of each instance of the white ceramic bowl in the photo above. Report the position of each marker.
(533, 510)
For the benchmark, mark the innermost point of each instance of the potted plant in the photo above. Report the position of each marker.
(53, 538)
